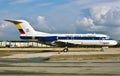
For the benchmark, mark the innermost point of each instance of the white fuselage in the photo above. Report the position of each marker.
(80, 39)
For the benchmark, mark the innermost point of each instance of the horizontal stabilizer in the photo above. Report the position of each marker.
(13, 21)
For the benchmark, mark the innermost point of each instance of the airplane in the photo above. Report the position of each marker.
(28, 33)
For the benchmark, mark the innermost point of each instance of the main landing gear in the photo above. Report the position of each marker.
(65, 49)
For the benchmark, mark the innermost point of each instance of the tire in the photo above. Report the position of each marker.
(65, 49)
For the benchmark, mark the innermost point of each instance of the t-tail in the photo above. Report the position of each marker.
(24, 28)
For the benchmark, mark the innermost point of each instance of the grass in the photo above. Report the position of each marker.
(7, 53)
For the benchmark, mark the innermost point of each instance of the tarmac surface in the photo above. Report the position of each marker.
(61, 68)
(61, 64)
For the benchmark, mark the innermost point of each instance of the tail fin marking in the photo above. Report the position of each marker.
(20, 28)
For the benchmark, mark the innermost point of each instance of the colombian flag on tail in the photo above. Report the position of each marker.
(18, 26)
(20, 29)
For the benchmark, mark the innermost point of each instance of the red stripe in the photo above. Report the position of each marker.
(21, 31)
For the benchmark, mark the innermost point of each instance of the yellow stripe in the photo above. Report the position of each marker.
(18, 26)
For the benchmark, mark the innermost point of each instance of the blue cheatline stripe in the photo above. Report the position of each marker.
(53, 38)
(47, 38)
(26, 37)
(82, 38)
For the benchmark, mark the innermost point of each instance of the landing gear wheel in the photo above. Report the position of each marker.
(65, 49)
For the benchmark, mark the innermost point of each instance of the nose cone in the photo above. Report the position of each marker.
(114, 42)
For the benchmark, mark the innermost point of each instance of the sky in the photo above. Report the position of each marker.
(61, 16)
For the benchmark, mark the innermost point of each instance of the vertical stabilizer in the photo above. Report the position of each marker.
(24, 27)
